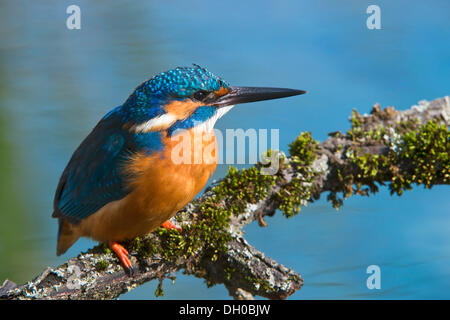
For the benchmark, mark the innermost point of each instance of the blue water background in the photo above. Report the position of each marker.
(55, 84)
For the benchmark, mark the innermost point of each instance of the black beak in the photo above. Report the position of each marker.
(251, 94)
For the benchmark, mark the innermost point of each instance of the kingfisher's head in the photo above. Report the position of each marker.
(188, 97)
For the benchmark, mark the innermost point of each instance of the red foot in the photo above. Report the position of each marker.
(169, 225)
(122, 253)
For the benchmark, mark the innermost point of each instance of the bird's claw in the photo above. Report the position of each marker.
(123, 256)
(169, 225)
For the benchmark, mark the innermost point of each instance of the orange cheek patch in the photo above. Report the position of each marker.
(181, 109)
(221, 92)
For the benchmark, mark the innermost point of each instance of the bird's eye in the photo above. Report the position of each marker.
(200, 95)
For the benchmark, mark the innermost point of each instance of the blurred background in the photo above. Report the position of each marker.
(55, 84)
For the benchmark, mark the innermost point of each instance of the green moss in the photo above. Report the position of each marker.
(159, 292)
(293, 195)
(356, 130)
(295, 278)
(303, 150)
(239, 188)
(427, 152)
(260, 284)
(101, 265)
(336, 202)
(419, 156)
(229, 271)
(356, 119)
(104, 248)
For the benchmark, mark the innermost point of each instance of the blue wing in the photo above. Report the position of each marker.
(93, 176)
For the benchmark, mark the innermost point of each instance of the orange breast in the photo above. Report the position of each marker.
(165, 183)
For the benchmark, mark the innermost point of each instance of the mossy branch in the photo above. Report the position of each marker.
(388, 147)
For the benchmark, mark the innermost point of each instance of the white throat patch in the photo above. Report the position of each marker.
(208, 125)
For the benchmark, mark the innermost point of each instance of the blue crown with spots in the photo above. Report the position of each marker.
(176, 84)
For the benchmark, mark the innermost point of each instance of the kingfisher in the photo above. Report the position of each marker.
(122, 181)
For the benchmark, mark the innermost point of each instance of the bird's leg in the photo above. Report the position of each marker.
(123, 255)
(169, 225)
